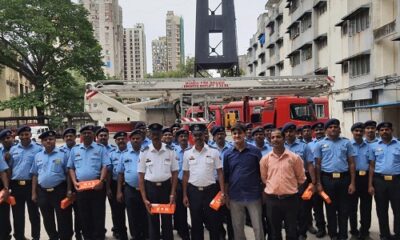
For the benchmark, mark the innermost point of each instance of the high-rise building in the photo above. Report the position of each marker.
(106, 18)
(135, 52)
(175, 41)
(356, 43)
(159, 54)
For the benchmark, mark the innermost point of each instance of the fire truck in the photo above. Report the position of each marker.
(117, 104)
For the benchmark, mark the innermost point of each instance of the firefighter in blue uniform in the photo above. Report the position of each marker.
(90, 161)
(50, 185)
(258, 135)
(5, 228)
(249, 139)
(22, 157)
(267, 130)
(384, 179)
(7, 141)
(370, 132)
(335, 173)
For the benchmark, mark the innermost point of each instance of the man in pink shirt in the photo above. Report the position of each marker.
(282, 172)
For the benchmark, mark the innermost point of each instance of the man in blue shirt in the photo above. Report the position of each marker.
(370, 132)
(180, 216)
(89, 161)
(4, 208)
(243, 184)
(7, 141)
(22, 157)
(102, 137)
(306, 133)
(117, 207)
(384, 179)
(335, 173)
(128, 185)
(258, 135)
(249, 137)
(267, 130)
(167, 136)
(50, 185)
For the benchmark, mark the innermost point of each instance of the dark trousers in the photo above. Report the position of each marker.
(159, 194)
(23, 194)
(304, 219)
(338, 211)
(361, 195)
(201, 213)
(282, 210)
(77, 221)
(385, 192)
(49, 203)
(117, 213)
(138, 226)
(226, 217)
(180, 216)
(5, 223)
(92, 206)
(319, 216)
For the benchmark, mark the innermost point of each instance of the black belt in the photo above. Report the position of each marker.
(49, 190)
(335, 175)
(203, 188)
(387, 177)
(281, 197)
(158, 184)
(129, 186)
(22, 182)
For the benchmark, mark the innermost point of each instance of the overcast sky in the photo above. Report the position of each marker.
(153, 13)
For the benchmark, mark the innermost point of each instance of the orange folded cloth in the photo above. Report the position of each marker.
(10, 200)
(325, 196)
(216, 203)
(66, 202)
(87, 185)
(162, 208)
(307, 194)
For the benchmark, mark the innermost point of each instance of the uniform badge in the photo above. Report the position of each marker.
(167, 160)
(148, 160)
(325, 146)
(57, 161)
(379, 150)
(191, 158)
(77, 155)
(96, 154)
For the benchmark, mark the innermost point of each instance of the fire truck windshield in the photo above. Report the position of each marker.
(302, 112)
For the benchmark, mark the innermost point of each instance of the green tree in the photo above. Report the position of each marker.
(184, 70)
(47, 41)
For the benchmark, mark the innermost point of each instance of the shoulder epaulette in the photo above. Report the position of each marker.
(62, 150)
(169, 147)
(213, 147)
(144, 149)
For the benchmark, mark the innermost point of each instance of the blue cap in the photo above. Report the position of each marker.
(306, 127)
(166, 129)
(248, 126)
(136, 131)
(357, 125)
(370, 123)
(332, 121)
(69, 130)
(155, 127)
(198, 128)
(239, 126)
(102, 130)
(317, 125)
(23, 129)
(140, 125)
(217, 129)
(269, 126)
(384, 124)
(288, 126)
(5, 133)
(181, 131)
(176, 125)
(120, 134)
(46, 134)
(87, 128)
(257, 130)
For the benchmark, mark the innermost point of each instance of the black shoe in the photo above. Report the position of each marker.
(320, 233)
(78, 236)
(354, 232)
(311, 229)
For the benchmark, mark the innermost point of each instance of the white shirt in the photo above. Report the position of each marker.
(157, 166)
(201, 165)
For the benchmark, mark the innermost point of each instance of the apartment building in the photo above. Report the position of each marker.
(159, 55)
(354, 42)
(135, 66)
(106, 18)
(175, 41)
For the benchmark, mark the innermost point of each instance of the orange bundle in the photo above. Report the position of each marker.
(87, 185)
(307, 194)
(325, 196)
(66, 202)
(162, 208)
(216, 203)
(10, 200)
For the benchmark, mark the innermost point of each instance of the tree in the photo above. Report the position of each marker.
(46, 41)
(184, 70)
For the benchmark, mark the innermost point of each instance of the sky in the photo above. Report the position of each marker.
(152, 13)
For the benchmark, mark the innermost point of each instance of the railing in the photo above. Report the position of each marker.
(385, 30)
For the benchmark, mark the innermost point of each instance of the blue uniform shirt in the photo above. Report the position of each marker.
(22, 160)
(242, 173)
(371, 142)
(363, 155)
(128, 166)
(50, 168)
(311, 145)
(3, 164)
(146, 142)
(115, 157)
(223, 150)
(386, 157)
(265, 149)
(110, 148)
(88, 162)
(179, 154)
(334, 154)
(300, 148)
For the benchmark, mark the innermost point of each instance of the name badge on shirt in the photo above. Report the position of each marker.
(167, 161)
(388, 178)
(362, 173)
(335, 175)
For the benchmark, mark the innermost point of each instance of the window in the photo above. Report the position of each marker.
(294, 4)
(322, 8)
(216, 44)
(348, 104)
(271, 28)
(280, 66)
(319, 110)
(345, 67)
(302, 112)
(262, 58)
(306, 22)
(272, 51)
(360, 66)
(359, 23)
(295, 59)
(344, 28)
(306, 53)
(322, 43)
(272, 71)
(294, 31)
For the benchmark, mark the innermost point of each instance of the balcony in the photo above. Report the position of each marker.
(384, 31)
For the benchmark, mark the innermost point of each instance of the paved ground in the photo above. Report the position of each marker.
(374, 228)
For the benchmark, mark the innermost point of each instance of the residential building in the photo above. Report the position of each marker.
(135, 52)
(106, 18)
(159, 54)
(175, 41)
(354, 42)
